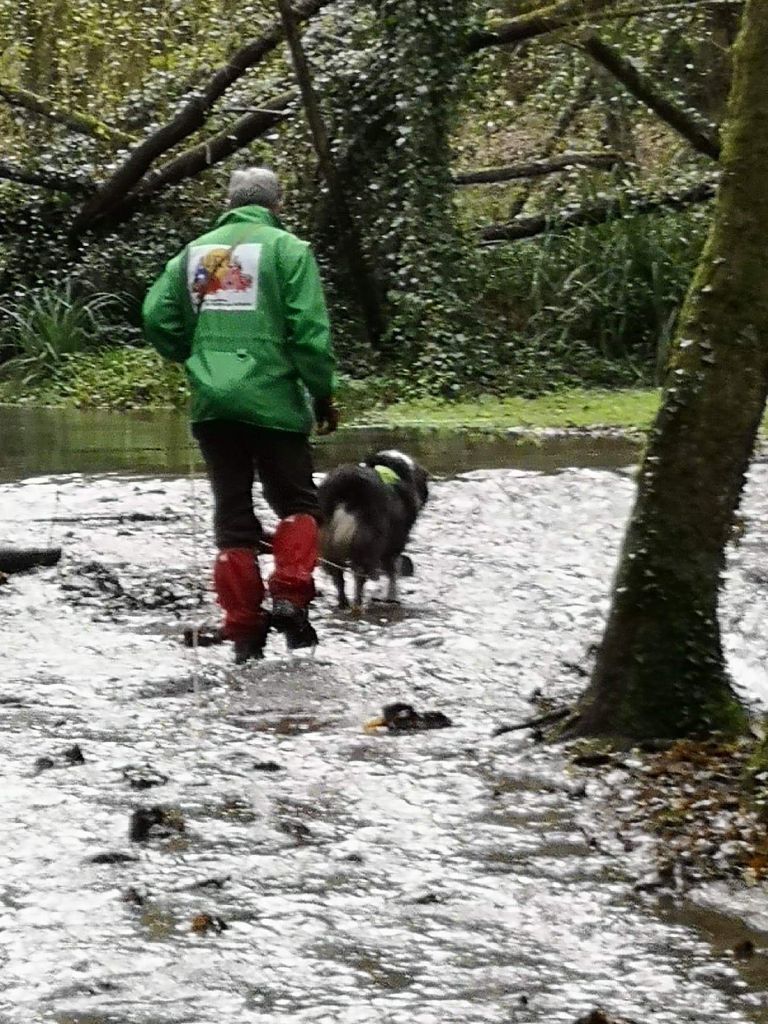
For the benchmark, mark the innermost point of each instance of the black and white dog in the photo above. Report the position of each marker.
(368, 513)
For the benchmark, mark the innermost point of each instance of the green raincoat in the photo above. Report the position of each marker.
(242, 307)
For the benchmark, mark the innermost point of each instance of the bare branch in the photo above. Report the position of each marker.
(77, 120)
(49, 180)
(582, 97)
(685, 122)
(537, 168)
(569, 13)
(191, 117)
(205, 155)
(536, 23)
(598, 212)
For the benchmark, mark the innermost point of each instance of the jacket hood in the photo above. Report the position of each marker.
(249, 215)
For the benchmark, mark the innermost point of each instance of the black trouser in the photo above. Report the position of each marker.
(233, 453)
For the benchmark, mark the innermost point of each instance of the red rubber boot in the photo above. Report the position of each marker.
(291, 585)
(240, 590)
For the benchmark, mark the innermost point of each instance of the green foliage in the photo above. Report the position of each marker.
(44, 327)
(561, 409)
(596, 305)
(114, 378)
(404, 107)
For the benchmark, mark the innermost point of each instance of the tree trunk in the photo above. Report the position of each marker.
(660, 669)
(205, 155)
(50, 180)
(359, 269)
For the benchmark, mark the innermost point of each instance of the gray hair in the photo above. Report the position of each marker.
(254, 186)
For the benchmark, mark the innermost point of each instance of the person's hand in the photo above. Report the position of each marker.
(326, 415)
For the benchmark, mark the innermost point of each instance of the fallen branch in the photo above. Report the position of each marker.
(564, 14)
(537, 168)
(533, 723)
(45, 179)
(686, 123)
(568, 14)
(582, 96)
(191, 117)
(598, 212)
(23, 559)
(77, 120)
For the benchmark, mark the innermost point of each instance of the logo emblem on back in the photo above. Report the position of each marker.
(223, 278)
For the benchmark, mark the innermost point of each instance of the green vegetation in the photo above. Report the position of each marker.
(568, 408)
(126, 378)
(132, 378)
(44, 327)
(410, 99)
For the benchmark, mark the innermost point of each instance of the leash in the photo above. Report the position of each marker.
(196, 569)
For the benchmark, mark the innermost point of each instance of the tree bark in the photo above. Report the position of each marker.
(77, 120)
(537, 168)
(49, 180)
(686, 123)
(660, 669)
(191, 117)
(629, 204)
(359, 269)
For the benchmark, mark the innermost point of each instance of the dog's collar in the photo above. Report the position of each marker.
(388, 476)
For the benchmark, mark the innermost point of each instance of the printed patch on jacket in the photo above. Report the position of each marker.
(223, 277)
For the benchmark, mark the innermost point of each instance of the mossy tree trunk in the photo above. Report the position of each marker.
(660, 669)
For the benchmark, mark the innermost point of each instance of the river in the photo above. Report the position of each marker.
(423, 879)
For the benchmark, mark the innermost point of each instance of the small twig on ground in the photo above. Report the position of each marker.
(532, 723)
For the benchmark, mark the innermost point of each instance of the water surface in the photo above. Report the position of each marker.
(434, 878)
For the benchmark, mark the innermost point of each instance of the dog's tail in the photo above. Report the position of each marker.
(348, 539)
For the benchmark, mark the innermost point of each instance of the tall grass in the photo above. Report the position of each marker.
(597, 305)
(41, 328)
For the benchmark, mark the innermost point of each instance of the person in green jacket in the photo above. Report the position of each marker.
(243, 308)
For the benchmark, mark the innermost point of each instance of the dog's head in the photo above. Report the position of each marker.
(409, 471)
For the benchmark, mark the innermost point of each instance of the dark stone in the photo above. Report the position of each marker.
(42, 764)
(162, 820)
(592, 760)
(400, 717)
(143, 777)
(112, 857)
(267, 766)
(205, 923)
(744, 949)
(211, 883)
(297, 829)
(133, 896)
(73, 755)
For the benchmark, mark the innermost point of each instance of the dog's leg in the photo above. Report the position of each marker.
(338, 578)
(359, 587)
(391, 597)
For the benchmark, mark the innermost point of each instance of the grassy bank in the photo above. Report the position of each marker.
(570, 408)
(123, 379)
